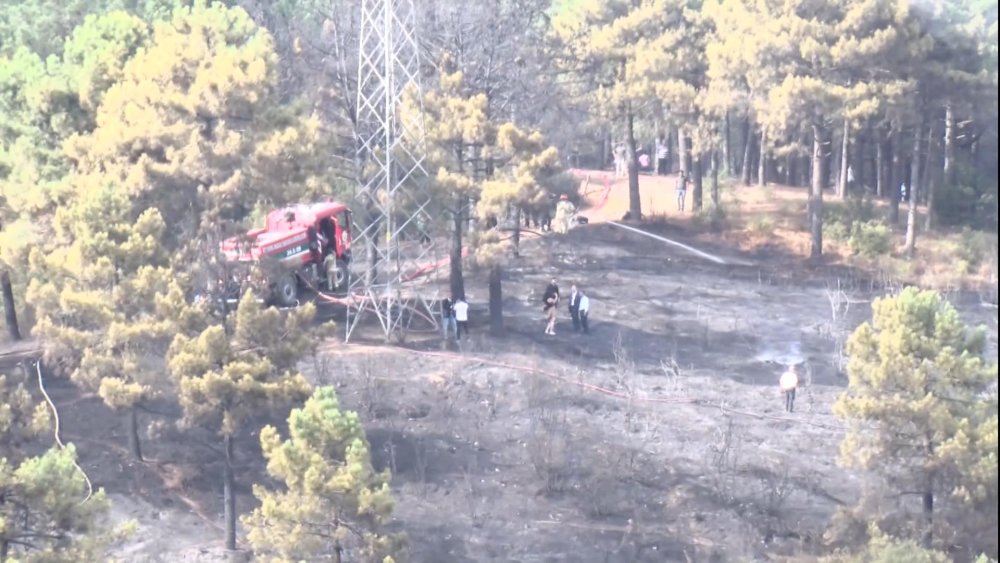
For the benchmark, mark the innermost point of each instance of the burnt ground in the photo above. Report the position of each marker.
(661, 436)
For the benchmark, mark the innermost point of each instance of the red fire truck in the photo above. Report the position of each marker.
(300, 245)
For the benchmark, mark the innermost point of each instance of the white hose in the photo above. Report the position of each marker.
(55, 416)
(695, 251)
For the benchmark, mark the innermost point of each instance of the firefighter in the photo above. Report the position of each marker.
(330, 267)
(564, 214)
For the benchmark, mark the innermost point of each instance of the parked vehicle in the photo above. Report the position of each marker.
(305, 245)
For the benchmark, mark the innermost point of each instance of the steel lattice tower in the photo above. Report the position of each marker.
(392, 243)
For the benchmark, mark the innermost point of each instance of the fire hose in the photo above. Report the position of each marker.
(59, 442)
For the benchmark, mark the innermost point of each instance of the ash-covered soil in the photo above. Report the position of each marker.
(661, 436)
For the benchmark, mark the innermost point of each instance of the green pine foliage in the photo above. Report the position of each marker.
(45, 516)
(331, 502)
(21, 417)
(922, 406)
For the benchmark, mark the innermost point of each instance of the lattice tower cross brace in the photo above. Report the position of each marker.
(390, 195)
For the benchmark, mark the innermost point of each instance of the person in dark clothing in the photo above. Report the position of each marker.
(662, 154)
(551, 300)
(448, 322)
(583, 310)
(574, 307)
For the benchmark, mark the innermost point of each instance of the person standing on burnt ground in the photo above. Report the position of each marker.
(564, 214)
(789, 382)
(551, 300)
(583, 311)
(574, 307)
(448, 323)
(461, 309)
(682, 184)
(662, 153)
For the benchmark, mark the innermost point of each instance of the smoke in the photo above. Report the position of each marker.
(786, 353)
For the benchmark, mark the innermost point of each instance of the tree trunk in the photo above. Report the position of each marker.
(132, 423)
(827, 158)
(862, 160)
(844, 161)
(912, 194)
(948, 169)
(634, 201)
(716, 204)
(930, 177)
(762, 159)
(516, 237)
(928, 500)
(791, 169)
(606, 148)
(10, 313)
(496, 299)
(879, 166)
(229, 493)
(747, 154)
(696, 185)
(455, 278)
(816, 195)
(894, 177)
(727, 156)
(682, 151)
(667, 136)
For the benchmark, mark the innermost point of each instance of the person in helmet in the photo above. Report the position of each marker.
(564, 214)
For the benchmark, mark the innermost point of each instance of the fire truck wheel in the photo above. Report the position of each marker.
(286, 291)
(341, 280)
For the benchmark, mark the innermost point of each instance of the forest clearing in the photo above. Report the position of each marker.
(519, 280)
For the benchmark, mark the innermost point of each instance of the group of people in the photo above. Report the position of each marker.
(455, 317)
(620, 156)
(542, 217)
(579, 308)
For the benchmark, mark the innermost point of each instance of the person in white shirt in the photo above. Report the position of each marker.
(662, 153)
(583, 310)
(461, 318)
(788, 382)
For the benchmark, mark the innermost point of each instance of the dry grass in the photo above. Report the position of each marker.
(773, 219)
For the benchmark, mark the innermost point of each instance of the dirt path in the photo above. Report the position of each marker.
(608, 199)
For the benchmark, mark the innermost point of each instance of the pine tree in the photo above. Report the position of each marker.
(192, 127)
(457, 129)
(103, 309)
(332, 503)
(884, 549)
(21, 417)
(241, 367)
(634, 55)
(183, 133)
(521, 162)
(42, 104)
(918, 373)
(44, 514)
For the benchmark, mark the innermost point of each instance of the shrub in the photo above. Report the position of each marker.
(971, 200)
(853, 210)
(563, 183)
(870, 238)
(761, 224)
(835, 231)
(975, 247)
(715, 218)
